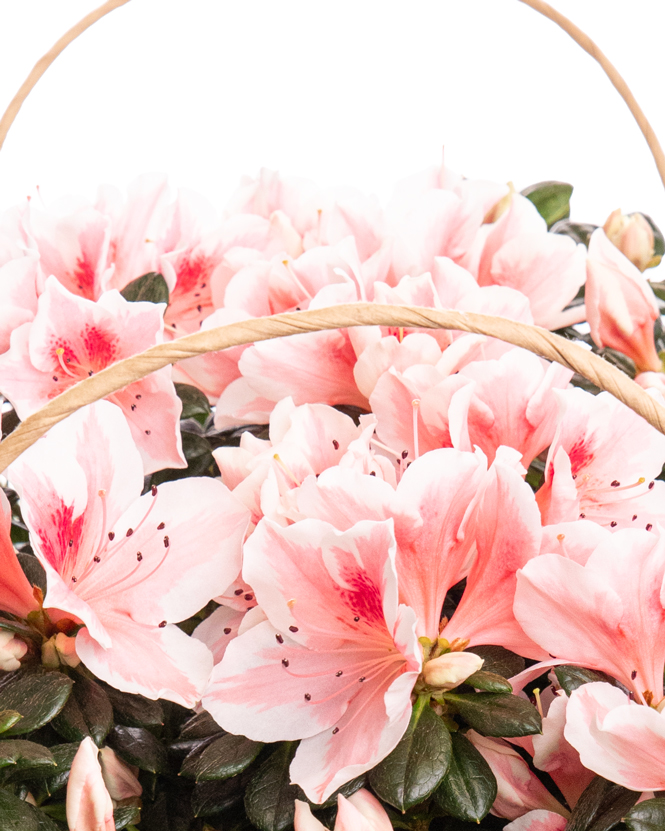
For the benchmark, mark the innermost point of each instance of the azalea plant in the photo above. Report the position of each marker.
(356, 579)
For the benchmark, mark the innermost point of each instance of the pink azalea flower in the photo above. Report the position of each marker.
(606, 615)
(89, 806)
(548, 268)
(119, 778)
(486, 403)
(621, 306)
(453, 519)
(556, 756)
(602, 465)
(338, 653)
(617, 738)
(538, 821)
(633, 236)
(127, 566)
(71, 338)
(12, 649)
(519, 790)
(18, 296)
(302, 441)
(360, 812)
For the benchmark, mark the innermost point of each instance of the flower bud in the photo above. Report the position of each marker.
(633, 236)
(621, 307)
(450, 670)
(66, 648)
(12, 649)
(89, 806)
(119, 778)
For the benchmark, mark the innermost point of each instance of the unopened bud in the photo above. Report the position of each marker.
(450, 670)
(633, 236)
(119, 778)
(12, 649)
(59, 650)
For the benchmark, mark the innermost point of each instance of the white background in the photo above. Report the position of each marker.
(352, 92)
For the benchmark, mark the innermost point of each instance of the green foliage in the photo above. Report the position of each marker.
(571, 677)
(150, 287)
(499, 715)
(225, 757)
(601, 806)
(194, 403)
(469, 788)
(647, 816)
(417, 765)
(137, 746)
(551, 199)
(88, 712)
(38, 695)
(269, 797)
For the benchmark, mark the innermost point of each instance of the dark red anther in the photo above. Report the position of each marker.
(237, 592)
(129, 533)
(308, 697)
(111, 535)
(161, 526)
(139, 556)
(227, 631)
(335, 444)
(615, 483)
(335, 731)
(153, 490)
(166, 542)
(649, 526)
(162, 624)
(279, 639)
(285, 662)
(293, 628)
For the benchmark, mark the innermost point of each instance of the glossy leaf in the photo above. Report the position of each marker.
(195, 404)
(151, 287)
(551, 199)
(499, 660)
(417, 765)
(498, 715)
(577, 231)
(64, 756)
(139, 747)
(570, 677)
(489, 682)
(225, 757)
(198, 452)
(8, 718)
(469, 788)
(601, 806)
(88, 712)
(135, 710)
(126, 815)
(25, 754)
(38, 696)
(211, 798)
(269, 797)
(647, 816)
(17, 815)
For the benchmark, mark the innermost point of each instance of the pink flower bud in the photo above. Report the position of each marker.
(66, 648)
(449, 670)
(621, 307)
(519, 790)
(88, 804)
(12, 649)
(633, 236)
(119, 778)
(364, 803)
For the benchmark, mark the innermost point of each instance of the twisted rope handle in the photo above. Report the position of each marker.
(537, 340)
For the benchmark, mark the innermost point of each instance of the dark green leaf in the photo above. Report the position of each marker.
(601, 806)
(37, 695)
(577, 231)
(126, 815)
(489, 681)
(88, 712)
(16, 815)
(417, 765)
(135, 710)
(211, 798)
(64, 756)
(8, 718)
(570, 678)
(225, 757)
(269, 797)
(497, 715)
(24, 754)
(194, 403)
(139, 747)
(499, 660)
(647, 816)
(200, 726)
(197, 451)
(552, 200)
(33, 570)
(348, 789)
(18, 627)
(469, 788)
(151, 287)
